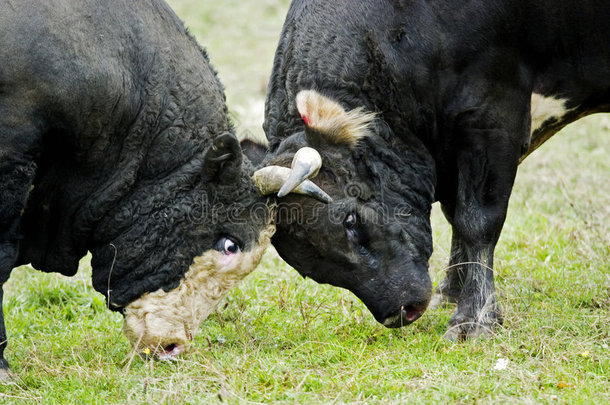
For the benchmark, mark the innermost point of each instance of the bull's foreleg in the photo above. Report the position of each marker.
(17, 171)
(15, 181)
(8, 257)
(476, 212)
(5, 374)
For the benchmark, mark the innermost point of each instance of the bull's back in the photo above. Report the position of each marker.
(567, 47)
(52, 48)
(397, 55)
(83, 66)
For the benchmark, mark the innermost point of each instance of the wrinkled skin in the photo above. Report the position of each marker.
(115, 138)
(462, 93)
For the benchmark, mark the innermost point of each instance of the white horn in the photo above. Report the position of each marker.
(270, 179)
(306, 164)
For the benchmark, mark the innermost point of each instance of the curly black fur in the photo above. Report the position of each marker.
(115, 138)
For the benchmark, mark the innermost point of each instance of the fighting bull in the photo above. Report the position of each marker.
(412, 102)
(115, 139)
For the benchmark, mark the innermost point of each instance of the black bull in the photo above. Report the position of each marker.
(461, 93)
(115, 138)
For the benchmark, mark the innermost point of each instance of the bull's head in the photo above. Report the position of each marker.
(171, 250)
(371, 233)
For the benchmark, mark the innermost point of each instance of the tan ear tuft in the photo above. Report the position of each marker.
(327, 117)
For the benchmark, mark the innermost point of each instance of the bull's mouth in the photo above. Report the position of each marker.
(405, 316)
(169, 352)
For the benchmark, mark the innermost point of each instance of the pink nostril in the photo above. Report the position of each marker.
(410, 313)
(170, 351)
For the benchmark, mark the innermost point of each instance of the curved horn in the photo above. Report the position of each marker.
(270, 179)
(306, 164)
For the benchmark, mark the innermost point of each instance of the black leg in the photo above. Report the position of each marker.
(3, 362)
(16, 178)
(20, 146)
(484, 182)
(488, 134)
(7, 260)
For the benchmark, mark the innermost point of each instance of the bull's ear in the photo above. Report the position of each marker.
(222, 163)
(254, 151)
(326, 121)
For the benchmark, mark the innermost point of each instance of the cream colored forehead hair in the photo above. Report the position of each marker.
(331, 120)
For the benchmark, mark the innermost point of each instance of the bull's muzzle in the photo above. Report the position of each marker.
(405, 316)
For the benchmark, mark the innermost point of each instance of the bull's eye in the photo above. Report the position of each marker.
(350, 221)
(231, 247)
(227, 245)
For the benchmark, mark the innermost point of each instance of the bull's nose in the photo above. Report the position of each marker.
(170, 351)
(406, 315)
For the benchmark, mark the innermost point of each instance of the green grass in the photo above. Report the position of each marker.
(280, 338)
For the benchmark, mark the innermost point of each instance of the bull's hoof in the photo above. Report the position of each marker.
(462, 327)
(468, 330)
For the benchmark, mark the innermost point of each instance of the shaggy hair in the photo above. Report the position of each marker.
(160, 318)
(326, 118)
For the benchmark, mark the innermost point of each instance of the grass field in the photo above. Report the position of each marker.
(280, 338)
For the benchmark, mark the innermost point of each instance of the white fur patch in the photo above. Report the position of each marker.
(327, 117)
(160, 318)
(544, 108)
